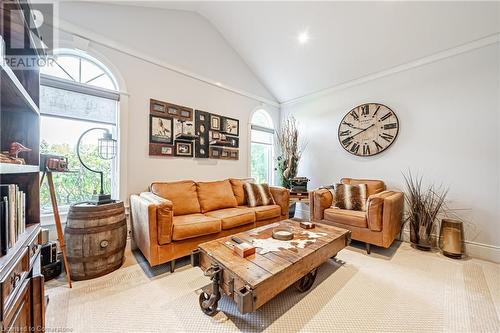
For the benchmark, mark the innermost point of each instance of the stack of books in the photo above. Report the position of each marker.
(12, 215)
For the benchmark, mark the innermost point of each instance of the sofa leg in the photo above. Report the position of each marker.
(368, 248)
(172, 266)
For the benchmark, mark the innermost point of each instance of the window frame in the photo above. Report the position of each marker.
(92, 90)
(267, 130)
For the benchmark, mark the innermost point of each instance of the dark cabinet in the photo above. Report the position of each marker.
(22, 306)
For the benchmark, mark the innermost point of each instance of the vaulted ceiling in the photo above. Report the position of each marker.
(348, 40)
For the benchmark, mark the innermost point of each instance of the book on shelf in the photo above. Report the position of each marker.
(12, 215)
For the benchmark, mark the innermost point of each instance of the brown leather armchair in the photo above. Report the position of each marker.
(378, 225)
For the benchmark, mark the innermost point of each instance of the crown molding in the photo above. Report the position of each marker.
(82, 33)
(467, 47)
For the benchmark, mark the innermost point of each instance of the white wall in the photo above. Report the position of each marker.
(449, 133)
(140, 80)
(184, 40)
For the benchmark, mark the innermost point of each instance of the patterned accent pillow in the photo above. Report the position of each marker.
(258, 194)
(351, 197)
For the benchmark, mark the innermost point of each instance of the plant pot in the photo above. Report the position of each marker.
(291, 210)
(419, 240)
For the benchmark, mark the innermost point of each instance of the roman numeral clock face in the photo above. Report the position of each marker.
(368, 129)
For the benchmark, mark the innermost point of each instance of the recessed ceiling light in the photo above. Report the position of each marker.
(303, 37)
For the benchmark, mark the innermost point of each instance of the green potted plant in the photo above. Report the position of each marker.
(423, 207)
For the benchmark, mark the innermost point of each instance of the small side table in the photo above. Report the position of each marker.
(301, 197)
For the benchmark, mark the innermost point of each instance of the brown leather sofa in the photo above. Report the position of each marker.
(379, 225)
(174, 217)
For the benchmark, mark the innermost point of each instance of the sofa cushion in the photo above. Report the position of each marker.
(352, 197)
(258, 195)
(265, 212)
(348, 217)
(182, 194)
(194, 225)
(216, 195)
(373, 186)
(238, 190)
(233, 217)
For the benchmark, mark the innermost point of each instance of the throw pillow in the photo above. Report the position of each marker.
(258, 195)
(238, 190)
(351, 197)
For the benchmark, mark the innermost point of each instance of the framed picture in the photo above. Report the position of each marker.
(215, 152)
(157, 106)
(224, 154)
(183, 149)
(234, 154)
(167, 150)
(158, 149)
(173, 111)
(160, 129)
(186, 113)
(202, 130)
(214, 135)
(214, 122)
(232, 141)
(230, 126)
(201, 149)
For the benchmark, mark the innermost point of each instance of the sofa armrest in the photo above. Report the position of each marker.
(319, 200)
(392, 217)
(151, 222)
(385, 210)
(281, 196)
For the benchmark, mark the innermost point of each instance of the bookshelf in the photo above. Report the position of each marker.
(22, 301)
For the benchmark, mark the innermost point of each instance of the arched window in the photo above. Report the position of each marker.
(77, 93)
(262, 147)
(78, 67)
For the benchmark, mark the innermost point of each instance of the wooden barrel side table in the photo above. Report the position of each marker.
(95, 237)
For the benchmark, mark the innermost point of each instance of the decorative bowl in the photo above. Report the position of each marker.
(282, 233)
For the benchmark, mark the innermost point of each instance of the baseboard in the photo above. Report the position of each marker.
(483, 251)
(472, 249)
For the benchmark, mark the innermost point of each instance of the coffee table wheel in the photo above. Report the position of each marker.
(205, 306)
(307, 281)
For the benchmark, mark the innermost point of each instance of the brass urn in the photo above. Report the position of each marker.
(451, 238)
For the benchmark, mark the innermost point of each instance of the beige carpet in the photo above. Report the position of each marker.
(395, 290)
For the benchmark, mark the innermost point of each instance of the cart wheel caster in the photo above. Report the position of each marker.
(307, 281)
(207, 309)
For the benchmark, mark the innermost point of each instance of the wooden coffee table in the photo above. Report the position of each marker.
(253, 281)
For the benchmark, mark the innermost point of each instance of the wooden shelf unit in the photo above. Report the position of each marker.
(22, 300)
(6, 168)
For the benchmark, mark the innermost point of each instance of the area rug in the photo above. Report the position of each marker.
(396, 290)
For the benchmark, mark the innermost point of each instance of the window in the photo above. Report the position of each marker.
(261, 147)
(77, 93)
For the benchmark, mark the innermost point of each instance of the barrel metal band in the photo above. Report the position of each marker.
(75, 260)
(95, 230)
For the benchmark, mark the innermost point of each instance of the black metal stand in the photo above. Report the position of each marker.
(101, 198)
(307, 281)
(209, 301)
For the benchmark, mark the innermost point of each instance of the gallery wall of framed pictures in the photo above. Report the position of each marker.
(176, 130)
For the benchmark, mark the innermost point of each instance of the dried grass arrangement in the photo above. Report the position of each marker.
(290, 151)
(423, 207)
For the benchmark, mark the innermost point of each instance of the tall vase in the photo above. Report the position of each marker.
(419, 237)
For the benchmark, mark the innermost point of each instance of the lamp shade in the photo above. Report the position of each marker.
(107, 146)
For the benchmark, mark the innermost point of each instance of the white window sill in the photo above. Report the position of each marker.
(48, 219)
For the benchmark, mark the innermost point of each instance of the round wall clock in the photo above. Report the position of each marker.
(368, 129)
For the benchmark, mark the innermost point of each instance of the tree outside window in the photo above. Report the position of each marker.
(262, 147)
(77, 93)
